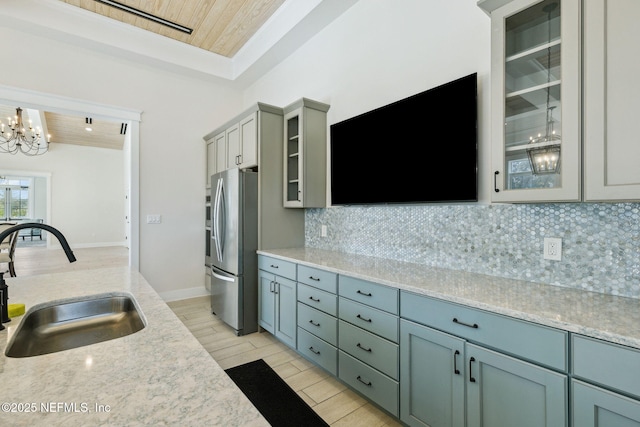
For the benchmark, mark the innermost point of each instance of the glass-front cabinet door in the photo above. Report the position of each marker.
(536, 101)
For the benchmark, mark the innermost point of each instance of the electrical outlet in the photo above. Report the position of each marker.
(553, 248)
(154, 219)
(323, 231)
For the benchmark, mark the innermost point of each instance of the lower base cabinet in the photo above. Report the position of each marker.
(445, 380)
(431, 377)
(504, 391)
(595, 407)
(369, 382)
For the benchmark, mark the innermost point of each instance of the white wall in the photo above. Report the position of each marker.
(176, 112)
(87, 201)
(380, 51)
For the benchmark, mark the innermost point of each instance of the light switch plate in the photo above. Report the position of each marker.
(154, 219)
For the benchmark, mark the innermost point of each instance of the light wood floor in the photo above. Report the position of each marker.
(332, 400)
(329, 398)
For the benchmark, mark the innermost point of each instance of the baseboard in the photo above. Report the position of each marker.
(181, 294)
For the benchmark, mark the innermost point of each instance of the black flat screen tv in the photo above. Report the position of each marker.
(421, 149)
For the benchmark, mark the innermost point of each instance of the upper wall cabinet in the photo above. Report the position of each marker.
(563, 100)
(305, 154)
(535, 68)
(611, 92)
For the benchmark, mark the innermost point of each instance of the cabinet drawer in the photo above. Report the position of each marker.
(319, 299)
(608, 364)
(369, 318)
(373, 384)
(318, 323)
(321, 279)
(537, 343)
(318, 351)
(373, 294)
(369, 348)
(276, 266)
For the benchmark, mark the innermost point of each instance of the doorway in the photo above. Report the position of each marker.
(55, 103)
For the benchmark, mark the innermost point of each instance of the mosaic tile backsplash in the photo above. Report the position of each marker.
(600, 242)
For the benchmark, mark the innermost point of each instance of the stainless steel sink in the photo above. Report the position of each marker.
(71, 324)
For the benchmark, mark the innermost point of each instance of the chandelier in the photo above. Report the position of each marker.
(544, 157)
(15, 136)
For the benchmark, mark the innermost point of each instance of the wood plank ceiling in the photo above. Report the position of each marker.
(218, 26)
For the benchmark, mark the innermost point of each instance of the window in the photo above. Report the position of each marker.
(15, 196)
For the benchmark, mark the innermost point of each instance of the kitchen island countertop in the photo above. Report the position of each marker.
(160, 375)
(608, 317)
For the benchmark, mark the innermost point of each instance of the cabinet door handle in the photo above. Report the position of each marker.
(271, 286)
(363, 348)
(314, 351)
(314, 299)
(314, 278)
(455, 362)
(495, 181)
(276, 285)
(363, 293)
(471, 379)
(363, 318)
(314, 323)
(367, 383)
(468, 325)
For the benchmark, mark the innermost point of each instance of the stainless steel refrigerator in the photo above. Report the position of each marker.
(234, 241)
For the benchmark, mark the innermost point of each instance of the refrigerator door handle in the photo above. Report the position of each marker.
(216, 221)
(221, 277)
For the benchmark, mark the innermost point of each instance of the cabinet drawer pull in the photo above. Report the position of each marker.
(314, 299)
(362, 348)
(363, 318)
(455, 362)
(363, 293)
(274, 266)
(314, 351)
(368, 383)
(469, 325)
(314, 323)
(471, 379)
(495, 181)
(314, 278)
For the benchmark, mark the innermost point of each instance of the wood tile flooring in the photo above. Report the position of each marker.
(332, 400)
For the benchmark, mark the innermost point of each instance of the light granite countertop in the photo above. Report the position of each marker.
(608, 317)
(160, 375)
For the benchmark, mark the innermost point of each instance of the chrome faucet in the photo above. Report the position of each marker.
(4, 289)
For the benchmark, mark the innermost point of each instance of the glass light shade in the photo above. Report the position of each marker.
(544, 160)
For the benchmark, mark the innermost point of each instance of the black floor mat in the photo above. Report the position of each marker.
(273, 397)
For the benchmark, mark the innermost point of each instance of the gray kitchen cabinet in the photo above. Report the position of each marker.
(606, 384)
(242, 145)
(594, 406)
(432, 376)
(305, 154)
(536, 88)
(368, 351)
(611, 90)
(317, 321)
(477, 347)
(277, 298)
(564, 87)
(504, 391)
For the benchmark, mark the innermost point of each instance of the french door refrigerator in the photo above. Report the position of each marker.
(234, 241)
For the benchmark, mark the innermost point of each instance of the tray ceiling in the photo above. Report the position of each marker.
(218, 26)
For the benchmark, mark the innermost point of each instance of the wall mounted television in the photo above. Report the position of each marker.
(421, 149)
